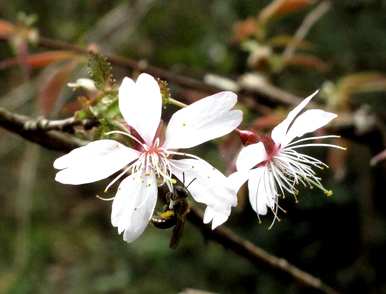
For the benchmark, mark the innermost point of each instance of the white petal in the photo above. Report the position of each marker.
(237, 179)
(250, 156)
(217, 217)
(93, 162)
(307, 122)
(133, 205)
(261, 192)
(279, 132)
(210, 187)
(140, 103)
(204, 120)
(207, 179)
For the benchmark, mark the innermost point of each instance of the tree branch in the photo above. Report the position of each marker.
(245, 91)
(43, 135)
(262, 90)
(64, 125)
(27, 129)
(254, 254)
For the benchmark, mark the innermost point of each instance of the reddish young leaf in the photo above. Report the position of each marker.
(281, 7)
(244, 29)
(377, 158)
(308, 61)
(45, 58)
(289, 6)
(52, 87)
(6, 29)
(39, 60)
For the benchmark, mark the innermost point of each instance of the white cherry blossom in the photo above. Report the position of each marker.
(157, 160)
(274, 167)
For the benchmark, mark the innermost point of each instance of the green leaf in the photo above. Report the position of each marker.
(100, 72)
(83, 114)
(106, 108)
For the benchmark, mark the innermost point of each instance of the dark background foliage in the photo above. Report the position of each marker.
(58, 239)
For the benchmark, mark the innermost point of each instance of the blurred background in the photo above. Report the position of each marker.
(58, 239)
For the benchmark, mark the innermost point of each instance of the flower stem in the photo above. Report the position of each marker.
(176, 102)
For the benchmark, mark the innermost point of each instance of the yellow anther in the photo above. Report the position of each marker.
(328, 193)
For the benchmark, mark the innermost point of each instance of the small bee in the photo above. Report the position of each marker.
(164, 219)
(174, 212)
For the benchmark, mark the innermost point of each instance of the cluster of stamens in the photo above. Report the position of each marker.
(286, 168)
(154, 159)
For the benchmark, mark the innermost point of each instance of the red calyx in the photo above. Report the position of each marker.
(269, 145)
(270, 148)
(247, 137)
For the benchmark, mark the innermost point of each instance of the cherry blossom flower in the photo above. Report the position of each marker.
(274, 167)
(156, 160)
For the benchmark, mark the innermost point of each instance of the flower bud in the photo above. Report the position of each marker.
(247, 137)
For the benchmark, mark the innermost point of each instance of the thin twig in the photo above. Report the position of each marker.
(254, 254)
(132, 64)
(64, 125)
(58, 141)
(265, 90)
(344, 124)
(305, 27)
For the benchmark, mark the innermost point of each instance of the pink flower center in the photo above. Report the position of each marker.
(270, 148)
(153, 149)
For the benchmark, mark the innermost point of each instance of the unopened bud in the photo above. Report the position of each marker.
(247, 137)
